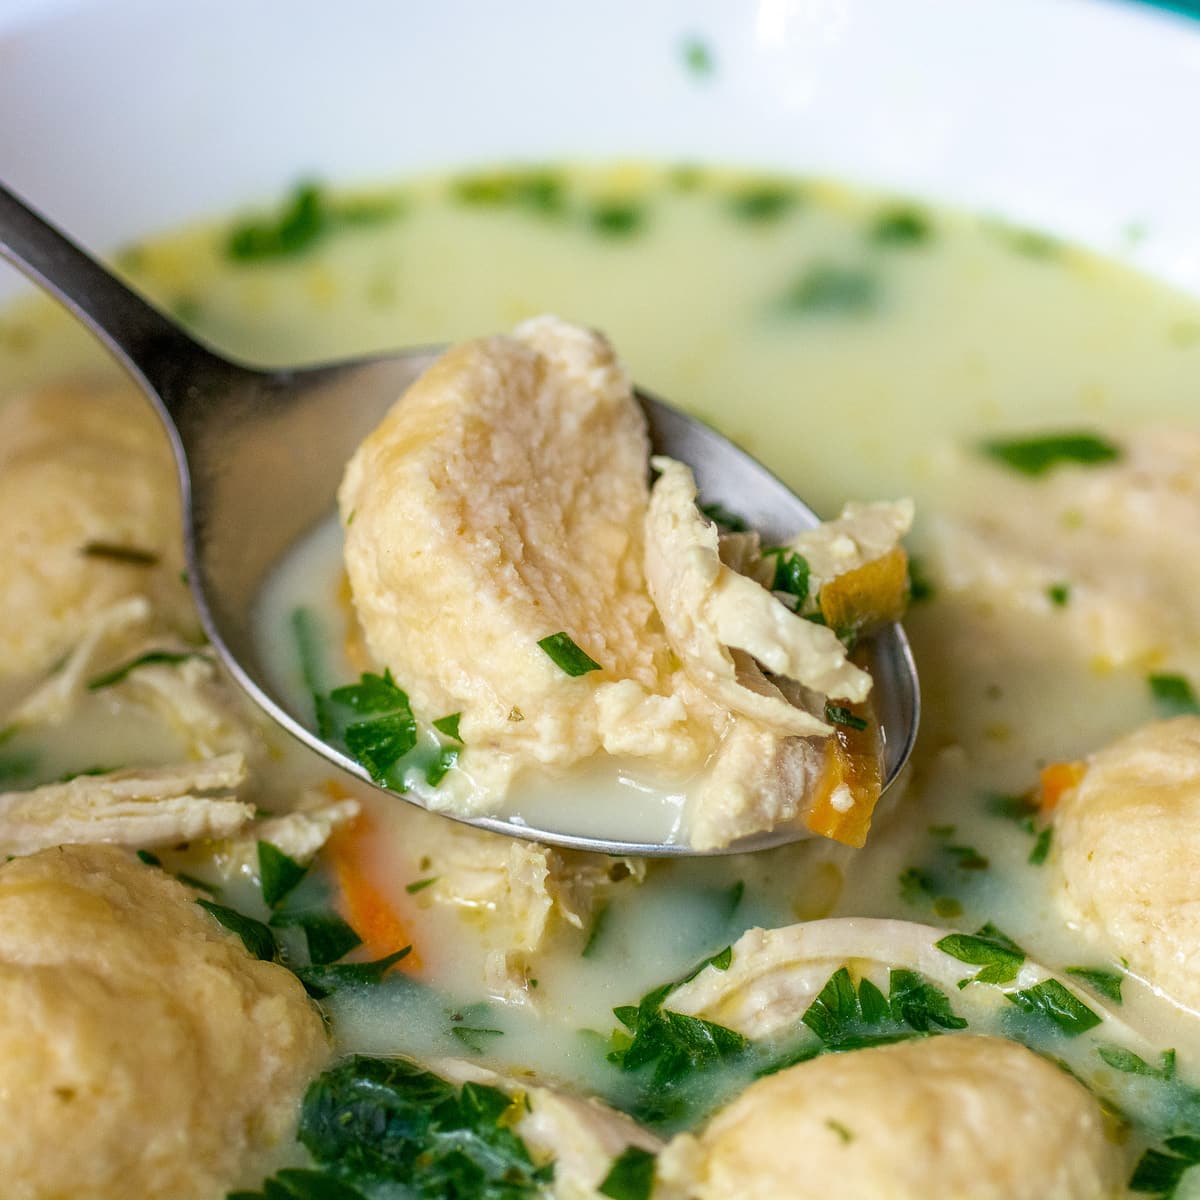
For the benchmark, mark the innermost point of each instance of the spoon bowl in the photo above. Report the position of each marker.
(260, 454)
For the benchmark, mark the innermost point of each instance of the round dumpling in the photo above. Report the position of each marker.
(143, 1052)
(1128, 838)
(89, 514)
(938, 1119)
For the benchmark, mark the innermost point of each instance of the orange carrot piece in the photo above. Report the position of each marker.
(365, 905)
(1056, 779)
(852, 765)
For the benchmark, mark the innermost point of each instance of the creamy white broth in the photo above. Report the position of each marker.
(971, 329)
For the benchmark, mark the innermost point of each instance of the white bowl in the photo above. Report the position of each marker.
(125, 116)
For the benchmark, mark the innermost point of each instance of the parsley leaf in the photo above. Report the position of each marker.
(631, 1176)
(1059, 594)
(320, 980)
(1107, 983)
(728, 521)
(307, 632)
(389, 731)
(1050, 1001)
(1173, 694)
(827, 289)
(1121, 1059)
(845, 1017)
(763, 203)
(298, 1183)
(698, 58)
(616, 218)
(150, 658)
(328, 936)
(419, 885)
(256, 937)
(536, 189)
(1159, 1173)
(839, 714)
(279, 873)
(373, 1120)
(436, 770)
(599, 921)
(920, 586)
(1000, 957)
(567, 656)
(1041, 847)
(129, 555)
(901, 226)
(449, 725)
(1037, 455)
(792, 574)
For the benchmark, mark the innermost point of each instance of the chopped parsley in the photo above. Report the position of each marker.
(328, 936)
(170, 658)
(763, 203)
(306, 217)
(1041, 846)
(381, 729)
(536, 190)
(846, 1017)
(129, 555)
(830, 289)
(1051, 1002)
(999, 957)
(567, 656)
(966, 858)
(920, 586)
(846, 1135)
(419, 885)
(727, 521)
(306, 630)
(792, 574)
(1059, 594)
(386, 1124)
(1173, 695)
(734, 897)
(631, 1176)
(1160, 1173)
(1124, 1060)
(472, 1036)
(839, 714)
(1107, 983)
(449, 725)
(151, 860)
(323, 979)
(278, 873)
(256, 937)
(300, 1183)
(698, 59)
(900, 226)
(437, 770)
(596, 932)
(616, 218)
(1038, 455)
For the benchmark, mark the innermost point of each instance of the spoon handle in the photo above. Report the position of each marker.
(155, 350)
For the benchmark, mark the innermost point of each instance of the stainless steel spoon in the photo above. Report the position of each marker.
(260, 454)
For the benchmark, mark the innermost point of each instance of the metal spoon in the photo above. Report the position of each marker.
(260, 454)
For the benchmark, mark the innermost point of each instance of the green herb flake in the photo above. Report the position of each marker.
(130, 556)
(1019, 809)
(726, 521)
(998, 955)
(567, 656)
(839, 714)
(846, 1135)
(474, 1036)
(419, 885)
(1173, 695)
(535, 190)
(1160, 1174)
(920, 586)
(631, 1176)
(390, 730)
(449, 726)
(437, 770)
(168, 658)
(764, 203)
(1124, 1060)
(596, 932)
(322, 980)
(301, 1183)
(389, 1125)
(828, 289)
(792, 574)
(617, 218)
(278, 873)
(903, 226)
(1059, 594)
(967, 858)
(916, 885)
(1051, 1001)
(734, 897)
(1037, 455)
(697, 57)
(329, 936)
(1041, 847)
(256, 937)
(1107, 983)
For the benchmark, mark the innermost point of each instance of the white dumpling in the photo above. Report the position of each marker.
(947, 1118)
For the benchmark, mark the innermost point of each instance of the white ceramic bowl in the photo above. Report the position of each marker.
(119, 117)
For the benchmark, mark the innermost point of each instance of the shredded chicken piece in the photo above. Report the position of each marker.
(147, 806)
(298, 834)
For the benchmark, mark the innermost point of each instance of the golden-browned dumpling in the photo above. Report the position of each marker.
(143, 1052)
(1128, 838)
(83, 472)
(949, 1118)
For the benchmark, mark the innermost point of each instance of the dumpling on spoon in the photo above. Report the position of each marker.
(510, 562)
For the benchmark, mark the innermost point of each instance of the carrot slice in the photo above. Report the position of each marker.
(365, 905)
(850, 785)
(1056, 779)
(869, 596)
